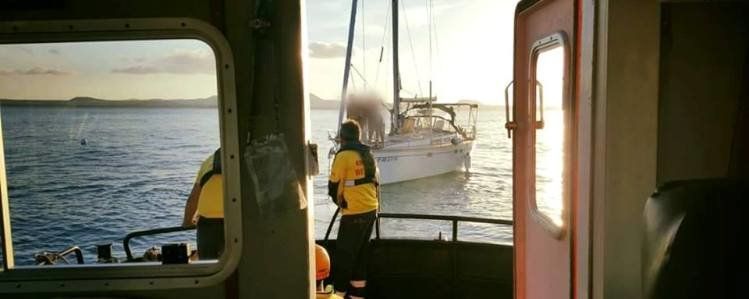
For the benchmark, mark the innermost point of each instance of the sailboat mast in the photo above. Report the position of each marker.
(395, 125)
(347, 67)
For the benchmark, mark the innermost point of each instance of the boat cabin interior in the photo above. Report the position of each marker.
(654, 131)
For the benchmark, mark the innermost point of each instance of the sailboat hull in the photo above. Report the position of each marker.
(410, 163)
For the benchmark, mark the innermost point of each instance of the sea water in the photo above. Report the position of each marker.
(138, 165)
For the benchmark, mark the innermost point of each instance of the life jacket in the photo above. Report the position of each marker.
(370, 169)
(211, 183)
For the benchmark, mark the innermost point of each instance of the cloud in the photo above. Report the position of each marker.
(138, 70)
(326, 50)
(178, 62)
(54, 51)
(35, 71)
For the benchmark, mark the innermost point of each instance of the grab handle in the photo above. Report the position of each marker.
(540, 97)
(126, 240)
(510, 125)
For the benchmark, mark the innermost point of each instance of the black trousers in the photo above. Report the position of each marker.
(352, 249)
(210, 237)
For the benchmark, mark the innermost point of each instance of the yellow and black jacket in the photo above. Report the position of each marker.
(353, 180)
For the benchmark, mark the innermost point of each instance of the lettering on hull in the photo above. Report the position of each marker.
(387, 159)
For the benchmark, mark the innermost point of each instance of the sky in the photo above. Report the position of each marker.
(471, 57)
(166, 69)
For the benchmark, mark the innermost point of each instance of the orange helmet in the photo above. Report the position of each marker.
(322, 263)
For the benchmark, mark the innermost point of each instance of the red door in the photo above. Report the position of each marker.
(543, 148)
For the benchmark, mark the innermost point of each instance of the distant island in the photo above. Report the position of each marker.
(316, 102)
(209, 102)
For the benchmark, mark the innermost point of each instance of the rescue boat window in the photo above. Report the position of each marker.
(105, 144)
(549, 132)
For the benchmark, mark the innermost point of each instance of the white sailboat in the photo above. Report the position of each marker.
(425, 138)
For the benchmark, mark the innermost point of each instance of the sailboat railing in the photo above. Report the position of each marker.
(462, 117)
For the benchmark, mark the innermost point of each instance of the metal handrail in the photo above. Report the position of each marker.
(75, 250)
(330, 225)
(510, 125)
(454, 219)
(51, 258)
(540, 87)
(156, 231)
(446, 217)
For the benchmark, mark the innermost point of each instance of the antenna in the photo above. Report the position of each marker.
(363, 44)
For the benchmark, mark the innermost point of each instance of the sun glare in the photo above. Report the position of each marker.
(550, 139)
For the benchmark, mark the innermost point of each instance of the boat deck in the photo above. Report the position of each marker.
(408, 268)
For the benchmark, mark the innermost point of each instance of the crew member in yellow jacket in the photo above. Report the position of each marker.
(205, 207)
(353, 187)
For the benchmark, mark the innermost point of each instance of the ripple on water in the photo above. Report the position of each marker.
(139, 166)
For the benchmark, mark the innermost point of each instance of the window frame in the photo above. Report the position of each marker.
(557, 39)
(135, 276)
